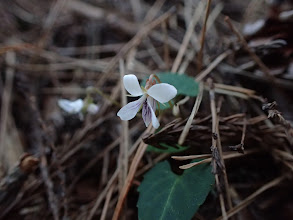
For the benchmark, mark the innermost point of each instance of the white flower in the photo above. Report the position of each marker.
(77, 106)
(161, 92)
(92, 108)
(71, 107)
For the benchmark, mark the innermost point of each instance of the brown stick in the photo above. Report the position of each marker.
(226, 182)
(5, 108)
(258, 61)
(14, 181)
(135, 41)
(250, 198)
(186, 40)
(214, 148)
(209, 158)
(102, 195)
(133, 167)
(124, 145)
(192, 115)
(212, 65)
(45, 173)
(107, 201)
(202, 39)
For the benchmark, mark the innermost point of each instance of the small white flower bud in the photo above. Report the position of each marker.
(92, 108)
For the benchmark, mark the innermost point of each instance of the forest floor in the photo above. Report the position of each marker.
(56, 164)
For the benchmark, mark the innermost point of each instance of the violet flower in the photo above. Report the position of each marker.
(77, 106)
(151, 94)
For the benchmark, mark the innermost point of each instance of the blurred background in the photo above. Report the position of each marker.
(57, 164)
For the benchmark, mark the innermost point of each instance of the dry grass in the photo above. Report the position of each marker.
(90, 168)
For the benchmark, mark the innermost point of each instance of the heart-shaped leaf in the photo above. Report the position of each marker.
(184, 84)
(163, 195)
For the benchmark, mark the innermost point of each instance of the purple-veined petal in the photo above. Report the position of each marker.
(152, 107)
(129, 111)
(152, 103)
(132, 86)
(162, 92)
(148, 107)
(71, 107)
(146, 114)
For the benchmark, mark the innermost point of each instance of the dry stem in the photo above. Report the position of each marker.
(215, 148)
(123, 153)
(133, 167)
(202, 39)
(192, 115)
(263, 67)
(251, 198)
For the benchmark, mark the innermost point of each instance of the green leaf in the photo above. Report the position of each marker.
(184, 84)
(164, 195)
(165, 148)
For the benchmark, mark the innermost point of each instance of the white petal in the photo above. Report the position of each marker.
(129, 111)
(152, 103)
(162, 92)
(146, 114)
(92, 108)
(71, 107)
(131, 85)
(155, 121)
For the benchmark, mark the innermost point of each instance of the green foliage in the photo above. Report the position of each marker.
(165, 148)
(164, 195)
(184, 84)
